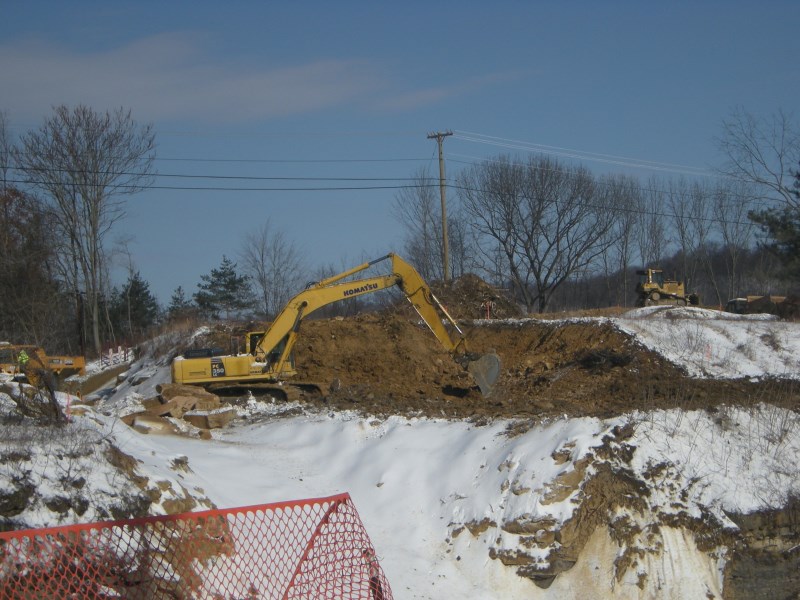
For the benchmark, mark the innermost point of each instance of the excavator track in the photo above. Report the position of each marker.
(295, 391)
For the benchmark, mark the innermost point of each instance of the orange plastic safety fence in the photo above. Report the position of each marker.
(313, 549)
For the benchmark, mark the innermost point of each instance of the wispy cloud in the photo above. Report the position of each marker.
(172, 77)
(422, 97)
(176, 77)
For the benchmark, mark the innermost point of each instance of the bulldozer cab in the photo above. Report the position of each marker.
(651, 277)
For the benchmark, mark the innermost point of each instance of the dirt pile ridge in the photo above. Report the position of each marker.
(391, 364)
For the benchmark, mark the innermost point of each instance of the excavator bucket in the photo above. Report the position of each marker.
(485, 370)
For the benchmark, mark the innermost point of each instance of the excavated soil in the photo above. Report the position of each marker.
(390, 363)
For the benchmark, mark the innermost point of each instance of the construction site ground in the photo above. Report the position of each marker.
(389, 363)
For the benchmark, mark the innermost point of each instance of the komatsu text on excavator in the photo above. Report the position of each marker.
(270, 360)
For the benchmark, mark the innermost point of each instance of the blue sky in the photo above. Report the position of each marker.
(351, 90)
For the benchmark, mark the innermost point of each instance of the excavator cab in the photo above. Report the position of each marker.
(252, 340)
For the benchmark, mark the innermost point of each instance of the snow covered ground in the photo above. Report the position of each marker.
(415, 482)
(710, 343)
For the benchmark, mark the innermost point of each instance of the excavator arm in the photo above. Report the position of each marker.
(272, 354)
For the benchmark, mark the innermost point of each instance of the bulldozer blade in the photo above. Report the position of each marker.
(485, 371)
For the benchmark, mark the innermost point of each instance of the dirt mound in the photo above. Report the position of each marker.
(469, 297)
(790, 308)
(390, 363)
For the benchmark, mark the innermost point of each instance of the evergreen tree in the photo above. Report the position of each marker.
(782, 226)
(179, 305)
(223, 290)
(34, 306)
(134, 309)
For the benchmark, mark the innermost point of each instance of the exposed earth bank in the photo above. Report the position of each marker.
(651, 522)
(390, 364)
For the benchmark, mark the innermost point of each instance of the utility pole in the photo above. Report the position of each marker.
(439, 136)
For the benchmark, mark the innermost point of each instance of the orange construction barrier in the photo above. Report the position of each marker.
(312, 549)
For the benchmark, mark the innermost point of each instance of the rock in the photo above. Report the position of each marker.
(168, 391)
(131, 417)
(149, 403)
(210, 419)
(145, 423)
(142, 376)
(180, 405)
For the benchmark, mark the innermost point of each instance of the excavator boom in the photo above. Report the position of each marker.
(271, 358)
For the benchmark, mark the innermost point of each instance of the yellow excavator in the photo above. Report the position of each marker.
(270, 362)
(38, 366)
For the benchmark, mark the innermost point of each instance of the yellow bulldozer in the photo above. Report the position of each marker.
(653, 288)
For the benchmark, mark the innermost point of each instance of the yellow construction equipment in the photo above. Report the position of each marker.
(36, 366)
(769, 304)
(653, 288)
(270, 362)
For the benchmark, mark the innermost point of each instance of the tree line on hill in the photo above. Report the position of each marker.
(558, 237)
(551, 235)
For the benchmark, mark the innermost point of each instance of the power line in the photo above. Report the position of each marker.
(292, 161)
(205, 177)
(213, 177)
(271, 178)
(579, 154)
(292, 134)
(477, 161)
(628, 209)
(453, 186)
(242, 189)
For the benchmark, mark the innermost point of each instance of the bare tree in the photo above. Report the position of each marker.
(763, 153)
(85, 162)
(689, 206)
(418, 210)
(701, 206)
(622, 194)
(731, 205)
(651, 229)
(5, 150)
(461, 242)
(31, 298)
(545, 218)
(275, 265)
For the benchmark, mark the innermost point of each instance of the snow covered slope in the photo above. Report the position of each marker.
(621, 507)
